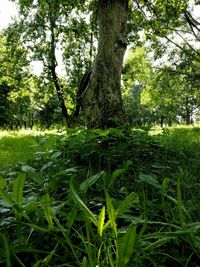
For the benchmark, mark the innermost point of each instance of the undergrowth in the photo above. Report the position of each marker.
(102, 198)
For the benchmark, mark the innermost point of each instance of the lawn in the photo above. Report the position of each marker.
(17, 147)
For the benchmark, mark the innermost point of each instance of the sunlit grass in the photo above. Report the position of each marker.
(17, 147)
(182, 138)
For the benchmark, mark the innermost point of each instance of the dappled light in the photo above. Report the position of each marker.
(99, 133)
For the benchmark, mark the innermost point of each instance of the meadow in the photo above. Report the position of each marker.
(16, 147)
(100, 198)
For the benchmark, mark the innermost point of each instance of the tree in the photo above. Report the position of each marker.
(47, 24)
(102, 99)
(48, 28)
(14, 83)
(137, 72)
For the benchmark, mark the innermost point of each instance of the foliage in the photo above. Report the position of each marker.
(168, 94)
(136, 75)
(58, 34)
(104, 198)
(14, 77)
(164, 60)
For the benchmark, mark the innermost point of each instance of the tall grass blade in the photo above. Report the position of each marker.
(127, 203)
(101, 220)
(90, 181)
(114, 176)
(48, 211)
(157, 243)
(5, 251)
(48, 258)
(68, 240)
(179, 200)
(111, 213)
(82, 205)
(84, 263)
(164, 185)
(127, 246)
(18, 187)
(5, 196)
(71, 218)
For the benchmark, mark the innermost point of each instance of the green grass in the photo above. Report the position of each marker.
(101, 198)
(184, 138)
(17, 147)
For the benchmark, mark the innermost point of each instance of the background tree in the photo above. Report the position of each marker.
(55, 29)
(137, 72)
(14, 81)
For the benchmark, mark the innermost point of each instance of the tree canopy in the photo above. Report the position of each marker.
(160, 74)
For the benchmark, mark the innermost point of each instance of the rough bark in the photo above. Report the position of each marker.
(102, 101)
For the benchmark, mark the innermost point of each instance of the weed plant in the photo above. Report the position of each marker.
(103, 198)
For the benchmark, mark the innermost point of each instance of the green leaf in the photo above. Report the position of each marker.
(101, 220)
(90, 181)
(165, 184)
(179, 200)
(85, 262)
(48, 211)
(18, 187)
(56, 155)
(82, 205)
(127, 246)
(127, 203)
(67, 172)
(6, 197)
(115, 174)
(158, 243)
(111, 213)
(149, 179)
(48, 258)
(36, 177)
(43, 140)
(3, 182)
(27, 169)
(71, 216)
(31, 204)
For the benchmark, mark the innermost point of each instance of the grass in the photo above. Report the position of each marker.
(17, 147)
(185, 138)
(102, 198)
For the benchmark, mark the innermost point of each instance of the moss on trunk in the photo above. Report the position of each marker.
(102, 100)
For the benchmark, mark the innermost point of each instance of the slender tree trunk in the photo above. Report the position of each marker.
(102, 99)
(188, 113)
(162, 121)
(53, 64)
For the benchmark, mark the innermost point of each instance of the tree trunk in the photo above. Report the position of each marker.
(188, 113)
(162, 121)
(102, 99)
(53, 64)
